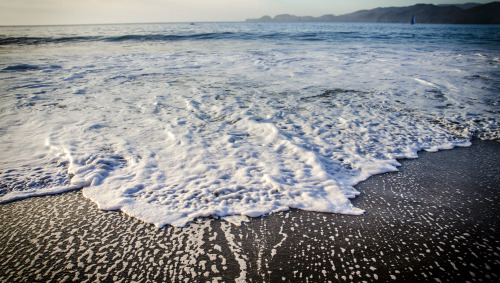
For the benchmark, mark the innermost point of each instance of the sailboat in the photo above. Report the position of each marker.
(412, 20)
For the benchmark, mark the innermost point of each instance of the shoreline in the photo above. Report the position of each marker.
(434, 220)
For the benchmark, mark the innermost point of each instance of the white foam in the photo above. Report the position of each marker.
(168, 135)
(427, 83)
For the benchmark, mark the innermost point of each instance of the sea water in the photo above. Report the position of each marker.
(172, 122)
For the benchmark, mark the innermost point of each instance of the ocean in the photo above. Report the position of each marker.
(173, 122)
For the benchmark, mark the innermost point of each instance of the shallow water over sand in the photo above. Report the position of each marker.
(437, 219)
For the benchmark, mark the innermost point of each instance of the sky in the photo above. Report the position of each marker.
(43, 12)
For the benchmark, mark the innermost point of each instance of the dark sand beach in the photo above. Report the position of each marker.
(437, 220)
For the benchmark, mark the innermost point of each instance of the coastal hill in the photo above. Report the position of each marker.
(470, 13)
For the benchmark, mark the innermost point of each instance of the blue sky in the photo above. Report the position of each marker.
(28, 12)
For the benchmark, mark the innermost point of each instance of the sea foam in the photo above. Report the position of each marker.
(183, 130)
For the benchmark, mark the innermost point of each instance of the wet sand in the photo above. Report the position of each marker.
(436, 220)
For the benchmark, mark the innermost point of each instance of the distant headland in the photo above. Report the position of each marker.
(470, 13)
